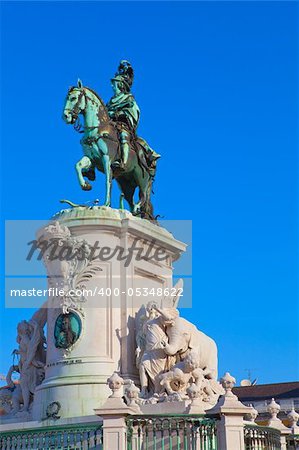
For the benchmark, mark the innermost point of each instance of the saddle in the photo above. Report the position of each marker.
(144, 158)
(111, 132)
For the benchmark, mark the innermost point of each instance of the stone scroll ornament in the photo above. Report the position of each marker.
(69, 265)
(176, 361)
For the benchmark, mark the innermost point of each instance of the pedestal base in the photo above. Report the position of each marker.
(76, 377)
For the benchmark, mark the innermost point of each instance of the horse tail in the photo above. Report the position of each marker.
(148, 206)
(72, 204)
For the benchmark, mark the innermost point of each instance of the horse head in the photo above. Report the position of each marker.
(75, 103)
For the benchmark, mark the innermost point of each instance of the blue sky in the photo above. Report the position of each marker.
(217, 84)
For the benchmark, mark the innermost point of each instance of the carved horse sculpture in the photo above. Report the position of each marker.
(101, 148)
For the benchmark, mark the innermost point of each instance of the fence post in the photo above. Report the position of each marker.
(230, 428)
(114, 413)
(274, 422)
(293, 417)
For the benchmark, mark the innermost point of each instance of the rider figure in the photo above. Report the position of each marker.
(123, 109)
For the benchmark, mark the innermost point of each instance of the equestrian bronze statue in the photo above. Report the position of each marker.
(110, 142)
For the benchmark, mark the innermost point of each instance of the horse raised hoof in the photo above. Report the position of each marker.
(89, 173)
(87, 187)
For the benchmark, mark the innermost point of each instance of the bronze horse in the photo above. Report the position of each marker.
(101, 149)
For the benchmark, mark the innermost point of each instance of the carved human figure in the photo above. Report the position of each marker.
(194, 393)
(116, 383)
(209, 387)
(32, 353)
(132, 395)
(151, 359)
(190, 365)
(188, 372)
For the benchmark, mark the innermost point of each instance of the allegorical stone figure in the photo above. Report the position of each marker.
(123, 109)
(172, 354)
(32, 354)
(151, 359)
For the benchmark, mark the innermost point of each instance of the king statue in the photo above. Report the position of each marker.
(110, 142)
(123, 109)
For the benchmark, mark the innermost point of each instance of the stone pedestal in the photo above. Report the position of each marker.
(76, 378)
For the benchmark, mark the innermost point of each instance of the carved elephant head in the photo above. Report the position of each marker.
(184, 336)
(180, 332)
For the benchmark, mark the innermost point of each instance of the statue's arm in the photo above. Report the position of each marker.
(127, 102)
(40, 316)
(33, 343)
(9, 380)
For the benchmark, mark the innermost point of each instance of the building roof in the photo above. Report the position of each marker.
(268, 391)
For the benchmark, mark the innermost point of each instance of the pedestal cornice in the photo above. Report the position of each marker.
(119, 222)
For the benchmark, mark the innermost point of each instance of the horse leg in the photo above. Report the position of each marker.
(84, 163)
(104, 155)
(108, 173)
(144, 206)
(148, 206)
(142, 194)
(128, 189)
(138, 206)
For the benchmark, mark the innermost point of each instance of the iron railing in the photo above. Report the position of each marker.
(261, 438)
(171, 432)
(293, 442)
(68, 437)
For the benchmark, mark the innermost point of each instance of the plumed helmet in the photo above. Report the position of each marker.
(125, 69)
